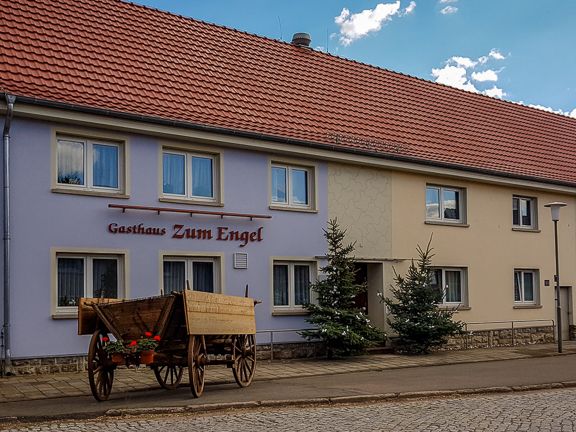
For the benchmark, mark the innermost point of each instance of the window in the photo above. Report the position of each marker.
(292, 186)
(444, 204)
(451, 282)
(89, 165)
(199, 273)
(291, 284)
(191, 176)
(526, 286)
(524, 212)
(99, 276)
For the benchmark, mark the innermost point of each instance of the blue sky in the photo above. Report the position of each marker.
(518, 50)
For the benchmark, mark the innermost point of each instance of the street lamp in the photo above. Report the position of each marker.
(555, 210)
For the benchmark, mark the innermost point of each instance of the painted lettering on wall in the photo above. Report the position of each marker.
(179, 231)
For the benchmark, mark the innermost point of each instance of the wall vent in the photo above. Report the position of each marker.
(240, 260)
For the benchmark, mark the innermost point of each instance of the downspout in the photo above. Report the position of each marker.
(7, 362)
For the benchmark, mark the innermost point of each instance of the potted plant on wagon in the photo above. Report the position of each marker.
(116, 350)
(146, 346)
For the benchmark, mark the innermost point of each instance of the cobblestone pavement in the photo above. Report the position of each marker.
(530, 411)
(36, 387)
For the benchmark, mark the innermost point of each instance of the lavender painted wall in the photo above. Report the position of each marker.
(42, 220)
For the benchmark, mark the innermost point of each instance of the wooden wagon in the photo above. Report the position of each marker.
(193, 329)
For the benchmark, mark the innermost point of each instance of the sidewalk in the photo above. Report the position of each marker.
(43, 387)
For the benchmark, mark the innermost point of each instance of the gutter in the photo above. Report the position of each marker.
(283, 140)
(6, 368)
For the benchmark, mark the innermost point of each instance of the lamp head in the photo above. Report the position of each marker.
(555, 209)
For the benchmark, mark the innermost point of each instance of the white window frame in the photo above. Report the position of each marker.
(71, 311)
(188, 269)
(310, 186)
(533, 219)
(292, 306)
(88, 164)
(188, 156)
(463, 285)
(461, 204)
(535, 283)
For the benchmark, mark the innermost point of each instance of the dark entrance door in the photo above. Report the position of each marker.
(361, 278)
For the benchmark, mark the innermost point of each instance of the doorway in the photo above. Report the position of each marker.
(371, 273)
(566, 310)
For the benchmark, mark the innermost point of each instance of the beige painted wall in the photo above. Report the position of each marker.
(384, 211)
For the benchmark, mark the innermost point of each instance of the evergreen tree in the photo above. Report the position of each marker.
(341, 325)
(421, 325)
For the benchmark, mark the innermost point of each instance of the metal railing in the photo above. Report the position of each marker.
(513, 327)
(271, 337)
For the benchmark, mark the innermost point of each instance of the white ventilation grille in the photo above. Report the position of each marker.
(240, 260)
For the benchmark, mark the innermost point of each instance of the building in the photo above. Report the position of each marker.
(147, 150)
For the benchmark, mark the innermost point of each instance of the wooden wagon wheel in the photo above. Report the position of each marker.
(244, 356)
(197, 359)
(168, 376)
(100, 368)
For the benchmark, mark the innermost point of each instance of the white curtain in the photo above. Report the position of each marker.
(70, 281)
(70, 162)
(105, 165)
(280, 285)
(173, 168)
(202, 177)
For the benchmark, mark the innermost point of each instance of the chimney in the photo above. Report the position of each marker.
(301, 40)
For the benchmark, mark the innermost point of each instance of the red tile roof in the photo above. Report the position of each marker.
(113, 55)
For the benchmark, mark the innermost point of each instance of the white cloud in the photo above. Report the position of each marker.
(448, 1)
(495, 92)
(356, 26)
(454, 76)
(487, 75)
(465, 62)
(409, 9)
(449, 10)
(573, 113)
(495, 54)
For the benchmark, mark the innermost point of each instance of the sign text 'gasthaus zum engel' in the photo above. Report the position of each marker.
(221, 233)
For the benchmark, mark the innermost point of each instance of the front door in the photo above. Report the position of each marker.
(566, 310)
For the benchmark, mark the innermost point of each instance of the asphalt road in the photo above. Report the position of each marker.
(511, 412)
(450, 377)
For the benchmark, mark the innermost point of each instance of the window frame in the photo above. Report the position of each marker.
(292, 308)
(533, 213)
(88, 142)
(461, 204)
(463, 286)
(311, 186)
(88, 256)
(187, 197)
(535, 285)
(189, 260)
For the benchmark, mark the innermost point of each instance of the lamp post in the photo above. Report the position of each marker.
(555, 210)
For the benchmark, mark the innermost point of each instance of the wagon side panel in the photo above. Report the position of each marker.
(218, 314)
(87, 319)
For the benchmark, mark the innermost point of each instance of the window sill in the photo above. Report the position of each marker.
(293, 209)
(533, 230)
(527, 306)
(65, 315)
(289, 312)
(191, 201)
(454, 307)
(62, 190)
(454, 224)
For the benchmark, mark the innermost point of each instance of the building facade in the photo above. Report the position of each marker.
(210, 159)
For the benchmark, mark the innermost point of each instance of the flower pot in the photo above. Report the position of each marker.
(117, 358)
(147, 357)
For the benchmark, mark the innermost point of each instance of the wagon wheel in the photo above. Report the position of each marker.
(244, 355)
(197, 359)
(100, 368)
(168, 376)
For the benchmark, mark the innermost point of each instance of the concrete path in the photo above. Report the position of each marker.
(69, 395)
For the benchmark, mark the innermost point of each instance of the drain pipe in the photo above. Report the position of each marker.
(7, 363)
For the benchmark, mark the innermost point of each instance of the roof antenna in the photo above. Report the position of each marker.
(280, 25)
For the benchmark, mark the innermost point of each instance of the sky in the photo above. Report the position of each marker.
(522, 51)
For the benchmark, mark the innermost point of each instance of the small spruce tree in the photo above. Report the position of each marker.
(341, 325)
(421, 325)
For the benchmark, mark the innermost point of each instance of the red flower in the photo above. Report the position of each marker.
(133, 343)
(105, 338)
(157, 338)
(148, 334)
